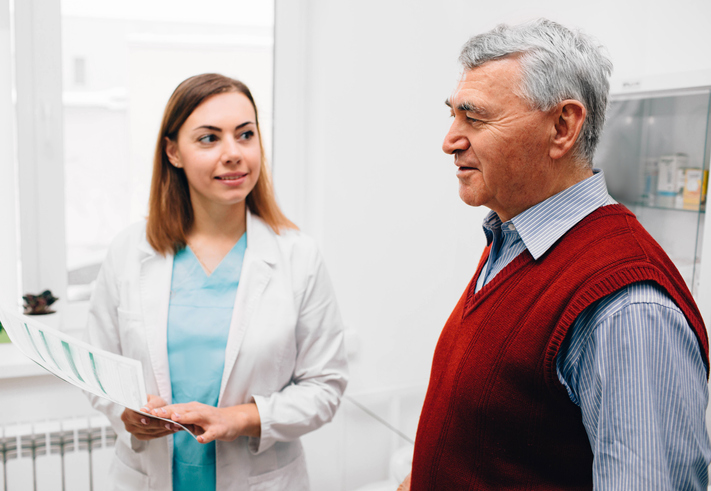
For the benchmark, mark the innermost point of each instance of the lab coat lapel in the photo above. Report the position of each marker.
(257, 270)
(156, 276)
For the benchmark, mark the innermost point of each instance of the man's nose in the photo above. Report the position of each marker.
(454, 140)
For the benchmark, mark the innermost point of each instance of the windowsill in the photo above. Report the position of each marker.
(13, 364)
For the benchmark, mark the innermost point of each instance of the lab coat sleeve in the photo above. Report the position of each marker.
(320, 372)
(102, 332)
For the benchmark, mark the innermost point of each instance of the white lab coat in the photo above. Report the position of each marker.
(284, 351)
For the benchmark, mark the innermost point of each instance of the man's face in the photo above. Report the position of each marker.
(500, 145)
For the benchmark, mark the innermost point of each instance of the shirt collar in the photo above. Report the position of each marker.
(543, 224)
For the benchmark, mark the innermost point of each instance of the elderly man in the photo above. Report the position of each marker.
(576, 358)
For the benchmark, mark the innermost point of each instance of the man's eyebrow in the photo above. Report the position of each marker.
(467, 107)
(471, 108)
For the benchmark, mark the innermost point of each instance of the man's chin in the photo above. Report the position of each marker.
(470, 198)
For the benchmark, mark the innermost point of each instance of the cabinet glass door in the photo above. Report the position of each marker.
(654, 151)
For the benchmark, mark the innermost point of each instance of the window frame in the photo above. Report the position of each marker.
(40, 146)
(9, 253)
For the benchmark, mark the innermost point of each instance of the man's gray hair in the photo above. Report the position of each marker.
(556, 64)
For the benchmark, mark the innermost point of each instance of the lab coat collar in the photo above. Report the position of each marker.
(155, 281)
(156, 274)
(145, 247)
(262, 240)
(257, 270)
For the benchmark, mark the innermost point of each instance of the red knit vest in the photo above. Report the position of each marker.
(495, 415)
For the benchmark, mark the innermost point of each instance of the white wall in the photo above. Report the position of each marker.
(131, 68)
(242, 55)
(380, 195)
(359, 121)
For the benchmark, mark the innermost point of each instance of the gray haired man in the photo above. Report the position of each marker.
(576, 357)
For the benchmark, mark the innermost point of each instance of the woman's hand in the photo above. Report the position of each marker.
(144, 427)
(211, 423)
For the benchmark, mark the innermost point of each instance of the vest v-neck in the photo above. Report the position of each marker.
(524, 259)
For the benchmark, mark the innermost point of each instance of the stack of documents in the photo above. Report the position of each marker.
(108, 375)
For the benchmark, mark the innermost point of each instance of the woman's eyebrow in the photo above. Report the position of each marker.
(215, 128)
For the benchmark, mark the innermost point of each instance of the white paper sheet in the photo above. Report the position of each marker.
(108, 375)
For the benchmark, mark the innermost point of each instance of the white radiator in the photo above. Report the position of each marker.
(67, 455)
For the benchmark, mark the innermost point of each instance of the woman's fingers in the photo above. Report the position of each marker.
(139, 420)
(154, 402)
(192, 415)
(201, 418)
(152, 435)
(144, 427)
(162, 412)
(167, 411)
(170, 412)
(148, 428)
(205, 430)
(207, 437)
(210, 423)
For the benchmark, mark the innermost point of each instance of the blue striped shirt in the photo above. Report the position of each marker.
(630, 360)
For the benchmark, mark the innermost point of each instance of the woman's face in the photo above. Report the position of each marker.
(219, 150)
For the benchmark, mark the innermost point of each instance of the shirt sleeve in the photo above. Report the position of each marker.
(633, 365)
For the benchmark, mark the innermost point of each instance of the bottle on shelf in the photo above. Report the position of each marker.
(695, 186)
(650, 178)
(670, 181)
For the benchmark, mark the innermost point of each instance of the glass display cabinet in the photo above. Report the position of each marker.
(655, 154)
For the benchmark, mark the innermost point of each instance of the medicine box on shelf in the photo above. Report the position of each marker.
(655, 154)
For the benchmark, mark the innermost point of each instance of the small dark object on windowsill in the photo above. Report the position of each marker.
(39, 304)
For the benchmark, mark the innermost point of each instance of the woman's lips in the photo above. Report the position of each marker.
(232, 179)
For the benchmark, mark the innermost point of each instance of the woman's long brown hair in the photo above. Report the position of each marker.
(170, 212)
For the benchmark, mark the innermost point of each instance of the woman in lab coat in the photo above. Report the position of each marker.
(226, 304)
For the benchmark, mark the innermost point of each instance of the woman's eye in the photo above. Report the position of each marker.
(247, 135)
(207, 139)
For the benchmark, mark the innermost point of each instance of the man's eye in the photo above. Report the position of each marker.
(207, 139)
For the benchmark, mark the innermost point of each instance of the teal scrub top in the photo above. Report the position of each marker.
(199, 318)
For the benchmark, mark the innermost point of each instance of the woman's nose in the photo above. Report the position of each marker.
(231, 152)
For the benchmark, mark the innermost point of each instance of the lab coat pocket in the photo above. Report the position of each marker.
(291, 477)
(125, 478)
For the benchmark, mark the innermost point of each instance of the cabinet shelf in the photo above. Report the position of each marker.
(639, 204)
(652, 143)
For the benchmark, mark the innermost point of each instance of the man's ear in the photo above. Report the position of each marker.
(171, 150)
(569, 116)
